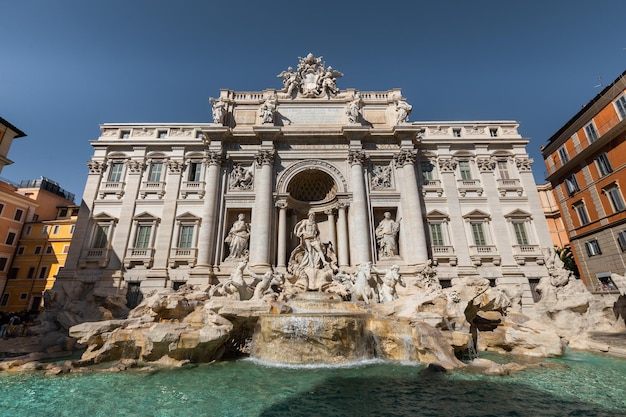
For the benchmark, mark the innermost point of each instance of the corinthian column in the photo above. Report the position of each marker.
(360, 229)
(262, 213)
(413, 221)
(281, 261)
(206, 241)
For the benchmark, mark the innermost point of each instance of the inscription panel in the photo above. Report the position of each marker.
(312, 116)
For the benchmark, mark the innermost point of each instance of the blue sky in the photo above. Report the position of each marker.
(69, 65)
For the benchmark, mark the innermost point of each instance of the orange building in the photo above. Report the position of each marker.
(557, 229)
(586, 161)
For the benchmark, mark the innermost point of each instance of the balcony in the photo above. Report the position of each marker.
(152, 187)
(510, 185)
(139, 256)
(432, 187)
(99, 256)
(116, 188)
(528, 253)
(183, 256)
(444, 254)
(192, 187)
(484, 253)
(471, 186)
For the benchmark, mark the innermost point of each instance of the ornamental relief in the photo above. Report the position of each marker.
(96, 167)
(381, 177)
(524, 164)
(486, 164)
(241, 178)
(447, 164)
(406, 156)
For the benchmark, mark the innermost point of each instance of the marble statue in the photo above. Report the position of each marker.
(403, 109)
(219, 110)
(242, 178)
(268, 110)
(310, 244)
(353, 109)
(238, 237)
(390, 278)
(386, 236)
(329, 81)
(263, 283)
(291, 81)
(362, 288)
(236, 287)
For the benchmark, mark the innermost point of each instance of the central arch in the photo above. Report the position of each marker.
(314, 167)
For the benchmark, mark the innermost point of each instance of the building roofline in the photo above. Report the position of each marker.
(585, 108)
(20, 134)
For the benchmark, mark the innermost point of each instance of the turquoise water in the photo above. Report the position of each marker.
(585, 385)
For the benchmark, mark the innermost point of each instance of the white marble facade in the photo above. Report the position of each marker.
(165, 204)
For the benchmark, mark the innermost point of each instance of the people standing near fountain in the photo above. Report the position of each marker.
(238, 237)
(386, 236)
(390, 278)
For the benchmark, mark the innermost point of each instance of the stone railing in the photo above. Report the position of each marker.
(116, 188)
(192, 187)
(96, 255)
(179, 256)
(152, 187)
(139, 256)
(484, 253)
(465, 186)
(444, 254)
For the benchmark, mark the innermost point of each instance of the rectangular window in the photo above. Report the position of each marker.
(10, 238)
(563, 155)
(620, 105)
(43, 272)
(63, 213)
(464, 167)
(593, 248)
(621, 239)
(115, 172)
(520, 233)
(18, 215)
(37, 250)
(49, 250)
(582, 213)
(125, 134)
(1, 208)
(479, 234)
(616, 198)
(5, 300)
(142, 239)
(20, 250)
(436, 234)
(571, 184)
(31, 272)
(195, 169)
(592, 133)
(12, 274)
(185, 240)
(3, 263)
(66, 248)
(23, 296)
(493, 132)
(427, 171)
(55, 230)
(27, 231)
(72, 229)
(604, 165)
(44, 230)
(456, 133)
(100, 237)
(503, 170)
(156, 169)
(162, 134)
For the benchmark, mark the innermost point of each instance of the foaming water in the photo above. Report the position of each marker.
(352, 364)
(581, 385)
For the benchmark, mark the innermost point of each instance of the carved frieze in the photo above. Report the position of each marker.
(144, 132)
(184, 131)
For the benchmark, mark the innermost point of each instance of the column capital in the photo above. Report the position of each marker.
(405, 157)
(134, 166)
(486, 164)
(524, 164)
(356, 157)
(214, 158)
(96, 167)
(265, 157)
(447, 164)
(175, 167)
(281, 204)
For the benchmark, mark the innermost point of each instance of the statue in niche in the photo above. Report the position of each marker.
(353, 110)
(242, 178)
(386, 237)
(291, 81)
(390, 278)
(381, 176)
(219, 110)
(403, 109)
(238, 237)
(310, 244)
(268, 110)
(312, 263)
